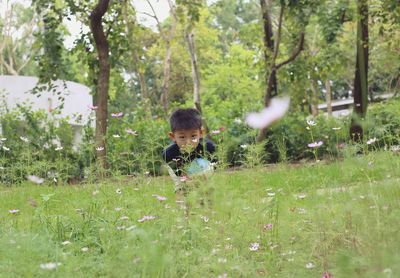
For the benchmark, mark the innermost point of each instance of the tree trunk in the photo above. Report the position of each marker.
(195, 74)
(166, 77)
(145, 95)
(314, 97)
(361, 72)
(270, 78)
(195, 70)
(143, 87)
(167, 59)
(103, 81)
(328, 97)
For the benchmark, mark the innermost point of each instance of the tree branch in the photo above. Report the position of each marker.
(156, 18)
(278, 34)
(295, 52)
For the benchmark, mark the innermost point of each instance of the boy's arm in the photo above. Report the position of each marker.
(171, 152)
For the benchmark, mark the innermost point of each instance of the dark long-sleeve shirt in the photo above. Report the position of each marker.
(176, 159)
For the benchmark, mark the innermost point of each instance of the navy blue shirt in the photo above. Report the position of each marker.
(173, 154)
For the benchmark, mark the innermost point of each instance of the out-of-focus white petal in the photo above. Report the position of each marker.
(267, 116)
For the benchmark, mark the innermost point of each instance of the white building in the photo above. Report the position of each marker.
(77, 99)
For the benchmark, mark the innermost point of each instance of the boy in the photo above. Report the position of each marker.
(187, 134)
(187, 152)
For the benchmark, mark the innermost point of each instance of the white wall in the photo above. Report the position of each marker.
(77, 97)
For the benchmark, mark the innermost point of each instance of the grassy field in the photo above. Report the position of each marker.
(341, 218)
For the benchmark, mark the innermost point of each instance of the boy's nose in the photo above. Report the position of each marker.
(188, 142)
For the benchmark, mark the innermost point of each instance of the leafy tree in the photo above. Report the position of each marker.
(361, 70)
(17, 50)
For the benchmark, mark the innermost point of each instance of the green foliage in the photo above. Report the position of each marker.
(30, 147)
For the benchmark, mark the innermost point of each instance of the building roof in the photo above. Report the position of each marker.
(77, 97)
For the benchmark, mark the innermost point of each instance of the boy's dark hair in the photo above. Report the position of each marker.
(188, 118)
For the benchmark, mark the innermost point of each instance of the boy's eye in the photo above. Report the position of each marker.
(181, 137)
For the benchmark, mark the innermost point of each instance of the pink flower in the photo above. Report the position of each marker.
(217, 131)
(130, 131)
(160, 198)
(183, 178)
(254, 246)
(327, 275)
(145, 218)
(315, 144)
(270, 114)
(13, 211)
(268, 226)
(117, 115)
(92, 107)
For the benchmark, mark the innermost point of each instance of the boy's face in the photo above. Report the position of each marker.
(187, 139)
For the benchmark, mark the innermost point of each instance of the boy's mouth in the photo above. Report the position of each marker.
(187, 148)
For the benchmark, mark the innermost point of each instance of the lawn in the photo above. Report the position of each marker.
(303, 220)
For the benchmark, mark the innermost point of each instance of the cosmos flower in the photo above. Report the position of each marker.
(268, 227)
(315, 144)
(92, 107)
(327, 275)
(130, 131)
(311, 123)
(254, 246)
(5, 148)
(117, 115)
(67, 242)
(3, 139)
(160, 198)
(35, 179)
(116, 136)
(49, 266)
(85, 249)
(371, 141)
(118, 191)
(13, 211)
(270, 114)
(146, 218)
(301, 196)
(310, 265)
(205, 218)
(217, 131)
(59, 148)
(26, 140)
(99, 149)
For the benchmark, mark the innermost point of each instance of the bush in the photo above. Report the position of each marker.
(33, 140)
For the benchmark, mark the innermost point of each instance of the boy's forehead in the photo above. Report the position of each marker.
(181, 131)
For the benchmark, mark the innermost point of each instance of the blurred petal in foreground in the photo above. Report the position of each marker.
(270, 114)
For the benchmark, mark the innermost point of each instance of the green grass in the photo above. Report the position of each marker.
(348, 233)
